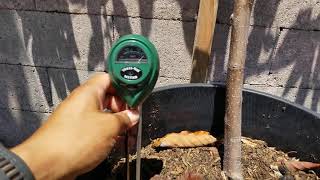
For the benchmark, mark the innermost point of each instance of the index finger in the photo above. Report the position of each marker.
(93, 92)
(101, 81)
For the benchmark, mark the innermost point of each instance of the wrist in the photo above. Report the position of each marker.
(12, 166)
(42, 163)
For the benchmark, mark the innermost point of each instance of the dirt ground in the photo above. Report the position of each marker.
(259, 162)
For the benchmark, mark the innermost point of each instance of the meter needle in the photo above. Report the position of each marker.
(140, 59)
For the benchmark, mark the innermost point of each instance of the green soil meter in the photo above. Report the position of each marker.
(133, 65)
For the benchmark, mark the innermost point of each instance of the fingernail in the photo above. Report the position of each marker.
(133, 116)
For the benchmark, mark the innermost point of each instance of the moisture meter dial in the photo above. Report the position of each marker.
(133, 65)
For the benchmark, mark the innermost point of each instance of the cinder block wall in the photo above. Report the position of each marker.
(48, 47)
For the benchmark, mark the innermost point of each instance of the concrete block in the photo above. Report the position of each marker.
(17, 125)
(58, 40)
(17, 4)
(12, 45)
(305, 97)
(261, 45)
(25, 88)
(220, 53)
(274, 13)
(224, 11)
(221, 37)
(265, 13)
(174, 42)
(159, 9)
(93, 36)
(297, 14)
(63, 81)
(164, 81)
(296, 62)
(62, 5)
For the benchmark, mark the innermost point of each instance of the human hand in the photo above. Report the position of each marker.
(79, 134)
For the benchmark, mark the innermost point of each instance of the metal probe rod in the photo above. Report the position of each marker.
(138, 160)
(127, 155)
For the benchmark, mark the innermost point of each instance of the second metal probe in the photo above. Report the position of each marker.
(138, 157)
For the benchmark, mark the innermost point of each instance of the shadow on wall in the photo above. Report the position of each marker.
(53, 42)
(300, 51)
(46, 43)
(15, 125)
(39, 41)
(146, 9)
(284, 57)
(50, 40)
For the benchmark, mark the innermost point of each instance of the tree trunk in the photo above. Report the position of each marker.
(232, 129)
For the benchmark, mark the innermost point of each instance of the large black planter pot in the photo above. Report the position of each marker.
(282, 124)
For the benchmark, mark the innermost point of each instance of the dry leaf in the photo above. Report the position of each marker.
(185, 139)
(296, 165)
(300, 165)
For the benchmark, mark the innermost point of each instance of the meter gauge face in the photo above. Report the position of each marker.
(131, 54)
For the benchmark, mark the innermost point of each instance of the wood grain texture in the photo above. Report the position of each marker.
(203, 40)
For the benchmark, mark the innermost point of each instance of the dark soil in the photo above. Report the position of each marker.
(258, 160)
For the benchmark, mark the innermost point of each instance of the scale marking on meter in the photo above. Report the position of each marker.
(133, 65)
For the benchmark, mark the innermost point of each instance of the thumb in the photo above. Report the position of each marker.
(123, 120)
(133, 116)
